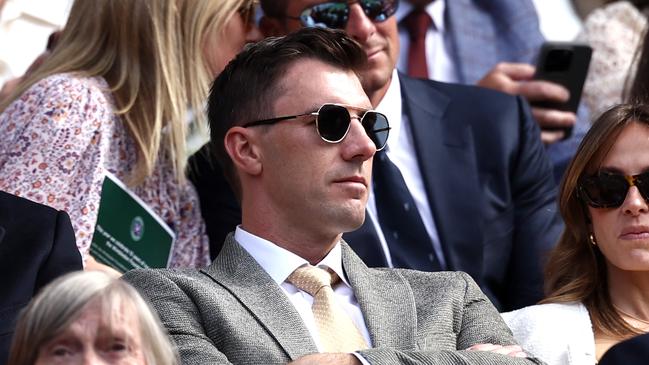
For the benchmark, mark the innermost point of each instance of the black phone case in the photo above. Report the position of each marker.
(564, 63)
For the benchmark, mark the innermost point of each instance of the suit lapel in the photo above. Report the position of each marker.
(239, 273)
(386, 301)
(446, 157)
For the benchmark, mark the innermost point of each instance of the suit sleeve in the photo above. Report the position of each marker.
(179, 315)
(479, 321)
(64, 256)
(537, 222)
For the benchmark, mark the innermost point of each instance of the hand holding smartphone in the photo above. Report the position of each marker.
(564, 63)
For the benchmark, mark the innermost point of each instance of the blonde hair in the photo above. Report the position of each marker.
(198, 19)
(62, 301)
(576, 269)
(148, 52)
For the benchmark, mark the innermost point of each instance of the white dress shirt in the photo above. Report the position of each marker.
(279, 263)
(401, 151)
(438, 47)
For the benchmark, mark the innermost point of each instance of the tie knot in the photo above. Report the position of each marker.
(417, 23)
(311, 278)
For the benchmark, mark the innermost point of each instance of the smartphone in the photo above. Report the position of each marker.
(564, 63)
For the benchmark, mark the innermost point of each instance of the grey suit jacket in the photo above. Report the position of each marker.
(234, 313)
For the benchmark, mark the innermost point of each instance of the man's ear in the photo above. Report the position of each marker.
(271, 27)
(241, 144)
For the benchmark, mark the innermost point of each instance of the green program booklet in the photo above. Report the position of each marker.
(128, 234)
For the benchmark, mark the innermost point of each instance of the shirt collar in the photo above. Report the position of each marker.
(435, 9)
(269, 256)
(391, 106)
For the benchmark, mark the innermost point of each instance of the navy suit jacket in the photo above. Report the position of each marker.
(487, 177)
(482, 33)
(630, 352)
(37, 245)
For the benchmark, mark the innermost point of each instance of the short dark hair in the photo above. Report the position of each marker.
(247, 87)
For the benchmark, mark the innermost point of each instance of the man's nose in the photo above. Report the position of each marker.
(359, 26)
(357, 144)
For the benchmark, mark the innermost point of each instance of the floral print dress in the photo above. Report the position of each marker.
(56, 142)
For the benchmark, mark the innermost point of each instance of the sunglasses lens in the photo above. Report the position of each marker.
(328, 15)
(642, 183)
(335, 14)
(379, 10)
(377, 128)
(333, 122)
(605, 190)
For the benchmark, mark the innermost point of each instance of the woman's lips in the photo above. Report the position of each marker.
(635, 233)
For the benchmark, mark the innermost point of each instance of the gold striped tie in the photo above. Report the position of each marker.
(337, 330)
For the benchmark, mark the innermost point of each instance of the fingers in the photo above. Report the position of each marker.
(539, 90)
(549, 137)
(506, 77)
(553, 119)
(515, 71)
(516, 79)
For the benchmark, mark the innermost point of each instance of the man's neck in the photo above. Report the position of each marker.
(377, 95)
(305, 239)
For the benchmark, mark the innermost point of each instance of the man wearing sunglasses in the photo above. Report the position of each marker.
(296, 133)
(471, 159)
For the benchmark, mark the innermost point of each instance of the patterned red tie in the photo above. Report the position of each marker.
(417, 24)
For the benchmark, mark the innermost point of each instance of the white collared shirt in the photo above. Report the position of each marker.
(401, 151)
(279, 263)
(438, 49)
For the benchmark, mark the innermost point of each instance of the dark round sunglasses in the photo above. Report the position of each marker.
(609, 190)
(333, 121)
(335, 14)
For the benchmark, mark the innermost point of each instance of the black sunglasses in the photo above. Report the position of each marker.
(334, 14)
(609, 190)
(333, 121)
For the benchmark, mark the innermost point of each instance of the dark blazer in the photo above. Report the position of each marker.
(630, 352)
(37, 245)
(234, 313)
(488, 181)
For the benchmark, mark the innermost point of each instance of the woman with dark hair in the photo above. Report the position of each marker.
(597, 277)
